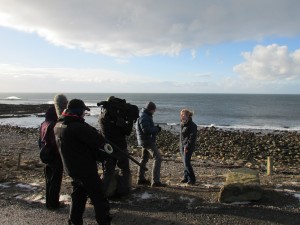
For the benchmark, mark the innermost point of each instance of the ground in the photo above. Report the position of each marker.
(22, 192)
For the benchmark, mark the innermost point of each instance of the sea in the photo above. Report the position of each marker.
(225, 111)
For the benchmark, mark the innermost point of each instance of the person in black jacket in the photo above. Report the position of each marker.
(146, 136)
(115, 129)
(188, 134)
(53, 170)
(79, 145)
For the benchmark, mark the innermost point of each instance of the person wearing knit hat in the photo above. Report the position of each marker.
(146, 136)
(150, 106)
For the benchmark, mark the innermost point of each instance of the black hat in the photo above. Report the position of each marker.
(77, 104)
(150, 106)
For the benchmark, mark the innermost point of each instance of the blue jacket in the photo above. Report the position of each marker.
(145, 130)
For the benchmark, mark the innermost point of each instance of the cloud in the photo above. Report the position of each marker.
(14, 78)
(141, 28)
(203, 75)
(194, 53)
(270, 63)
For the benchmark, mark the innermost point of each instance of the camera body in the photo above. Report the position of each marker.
(117, 109)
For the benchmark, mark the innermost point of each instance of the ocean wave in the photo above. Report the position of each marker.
(35, 121)
(12, 98)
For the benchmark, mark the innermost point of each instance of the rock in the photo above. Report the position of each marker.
(241, 185)
(3, 176)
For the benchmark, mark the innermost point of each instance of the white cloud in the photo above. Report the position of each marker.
(125, 28)
(194, 53)
(270, 63)
(203, 75)
(14, 78)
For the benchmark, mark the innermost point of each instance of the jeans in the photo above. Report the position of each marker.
(188, 173)
(155, 153)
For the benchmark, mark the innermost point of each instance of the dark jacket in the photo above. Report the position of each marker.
(115, 130)
(48, 126)
(78, 145)
(145, 130)
(188, 135)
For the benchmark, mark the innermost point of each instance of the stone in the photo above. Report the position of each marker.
(241, 185)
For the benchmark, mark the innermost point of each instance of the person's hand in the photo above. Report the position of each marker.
(159, 128)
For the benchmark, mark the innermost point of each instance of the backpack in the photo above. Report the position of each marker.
(47, 153)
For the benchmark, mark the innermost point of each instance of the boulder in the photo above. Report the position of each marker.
(241, 185)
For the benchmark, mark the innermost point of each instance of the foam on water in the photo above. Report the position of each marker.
(12, 98)
(226, 111)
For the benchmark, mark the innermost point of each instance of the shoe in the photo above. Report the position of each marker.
(184, 181)
(191, 183)
(143, 182)
(158, 184)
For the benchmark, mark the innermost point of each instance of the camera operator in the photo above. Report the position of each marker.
(79, 145)
(115, 127)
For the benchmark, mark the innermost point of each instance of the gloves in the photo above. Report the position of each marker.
(159, 128)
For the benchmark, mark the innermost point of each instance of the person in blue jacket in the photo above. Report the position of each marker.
(188, 134)
(146, 136)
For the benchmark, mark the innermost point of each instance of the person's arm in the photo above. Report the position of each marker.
(90, 136)
(147, 127)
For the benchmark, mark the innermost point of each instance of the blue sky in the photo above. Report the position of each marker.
(167, 46)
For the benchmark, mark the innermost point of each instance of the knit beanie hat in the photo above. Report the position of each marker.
(150, 106)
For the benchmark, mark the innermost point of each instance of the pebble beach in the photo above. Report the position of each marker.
(218, 151)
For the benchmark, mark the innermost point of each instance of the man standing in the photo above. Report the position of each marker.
(146, 137)
(115, 129)
(79, 145)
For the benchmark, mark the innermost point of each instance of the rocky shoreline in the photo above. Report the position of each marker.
(232, 148)
(19, 110)
(239, 148)
(22, 187)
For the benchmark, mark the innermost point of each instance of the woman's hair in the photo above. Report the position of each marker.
(187, 112)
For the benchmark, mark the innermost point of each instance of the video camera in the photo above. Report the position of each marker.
(116, 108)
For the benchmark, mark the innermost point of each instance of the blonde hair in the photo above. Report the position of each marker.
(187, 112)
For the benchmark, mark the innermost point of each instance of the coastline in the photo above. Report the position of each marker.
(9, 112)
(229, 146)
(226, 148)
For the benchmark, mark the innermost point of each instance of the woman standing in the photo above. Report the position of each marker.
(53, 168)
(188, 134)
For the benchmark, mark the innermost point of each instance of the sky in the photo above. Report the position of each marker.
(150, 46)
